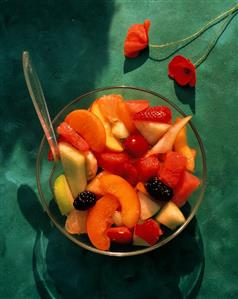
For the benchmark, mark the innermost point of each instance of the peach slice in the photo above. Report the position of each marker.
(124, 192)
(95, 185)
(111, 142)
(76, 222)
(100, 219)
(89, 126)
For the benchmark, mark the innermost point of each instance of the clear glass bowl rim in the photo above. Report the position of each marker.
(146, 249)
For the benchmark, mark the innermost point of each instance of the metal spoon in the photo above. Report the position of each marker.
(38, 99)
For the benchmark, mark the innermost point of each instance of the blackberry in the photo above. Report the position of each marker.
(85, 200)
(158, 189)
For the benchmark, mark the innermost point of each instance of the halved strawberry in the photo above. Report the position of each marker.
(172, 169)
(156, 114)
(72, 137)
(147, 167)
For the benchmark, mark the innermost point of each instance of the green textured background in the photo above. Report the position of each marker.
(77, 46)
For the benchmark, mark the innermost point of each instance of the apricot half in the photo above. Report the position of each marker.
(100, 219)
(89, 126)
(126, 195)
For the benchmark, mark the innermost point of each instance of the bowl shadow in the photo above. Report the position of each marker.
(63, 270)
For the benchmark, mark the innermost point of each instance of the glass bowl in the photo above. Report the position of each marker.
(46, 171)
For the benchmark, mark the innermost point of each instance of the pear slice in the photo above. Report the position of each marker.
(74, 166)
(148, 207)
(63, 195)
(170, 216)
(152, 131)
(165, 144)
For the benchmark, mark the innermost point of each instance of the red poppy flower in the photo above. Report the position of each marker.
(182, 71)
(136, 39)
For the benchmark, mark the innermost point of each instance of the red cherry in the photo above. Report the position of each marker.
(120, 234)
(136, 145)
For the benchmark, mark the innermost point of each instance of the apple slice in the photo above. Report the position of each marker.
(63, 195)
(147, 233)
(117, 218)
(148, 207)
(119, 130)
(170, 216)
(165, 144)
(91, 165)
(111, 142)
(74, 166)
(152, 131)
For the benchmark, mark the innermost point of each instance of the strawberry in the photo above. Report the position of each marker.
(72, 137)
(120, 234)
(130, 173)
(172, 169)
(147, 167)
(155, 114)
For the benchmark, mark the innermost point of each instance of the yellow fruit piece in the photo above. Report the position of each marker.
(76, 222)
(74, 166)
(181, 146)
(63, 195)
(170, 216)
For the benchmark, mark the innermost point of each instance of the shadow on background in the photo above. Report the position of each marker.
(63, 270)
(130, 64)
(186, 95)
(68, 41)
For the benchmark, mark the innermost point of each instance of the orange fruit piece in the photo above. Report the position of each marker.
(95, 185)
(114, 108)
(89, 126)
(140, 187)
(100, 219)
(76, 222)
(126, 195)
(181, 146)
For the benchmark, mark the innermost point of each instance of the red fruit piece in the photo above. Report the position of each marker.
(156, 114)
(120, 234)
(72, 137)
(149, 231)
(137, 105)
(136, 145)
(172, 169)
(147, 167)
(112, 162)
(186, 186)
(129, 173)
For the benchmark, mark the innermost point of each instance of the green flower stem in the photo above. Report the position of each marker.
(200, 31)
(213, 43)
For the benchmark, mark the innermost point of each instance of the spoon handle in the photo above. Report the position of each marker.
(38, 99)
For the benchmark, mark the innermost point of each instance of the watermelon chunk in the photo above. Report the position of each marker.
(172, 169)
(147, 167)
(186, 186)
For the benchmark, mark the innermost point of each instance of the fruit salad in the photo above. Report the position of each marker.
(127, 171)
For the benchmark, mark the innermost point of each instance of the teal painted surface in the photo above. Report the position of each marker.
(77, 46)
